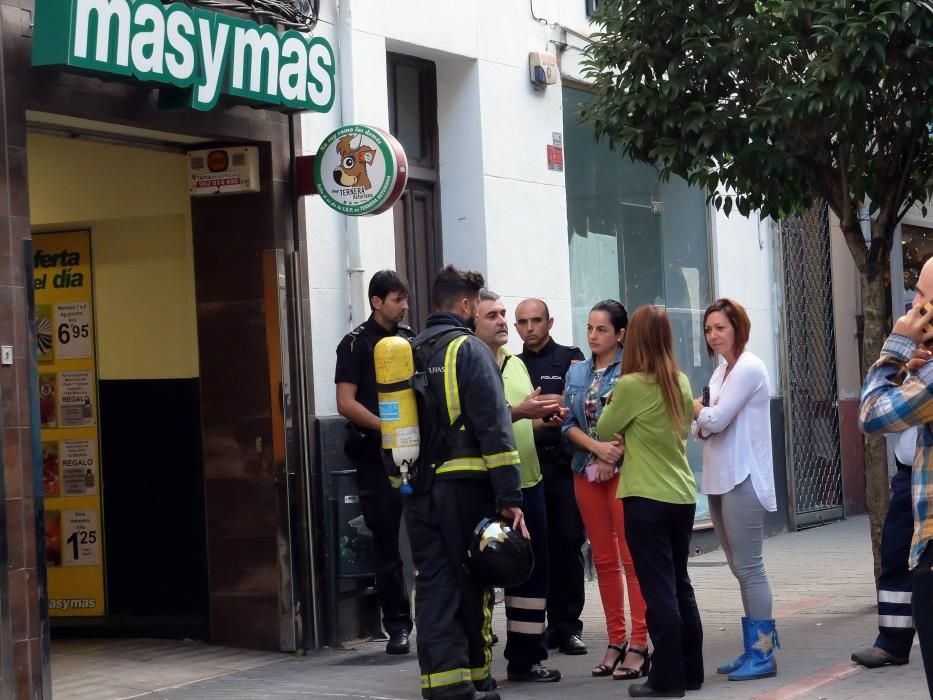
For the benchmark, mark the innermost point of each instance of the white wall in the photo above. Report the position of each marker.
(502, 211)
(742, 254)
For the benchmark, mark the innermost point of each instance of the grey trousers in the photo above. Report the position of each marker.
(738, 518)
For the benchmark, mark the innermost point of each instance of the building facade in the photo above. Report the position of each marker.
(592, 226)
(210, 429)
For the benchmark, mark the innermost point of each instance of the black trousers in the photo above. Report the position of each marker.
(566, 535)
(658, 536)
(895, 625)
(382, 513)
(923, 611)
(455, 632)
(525, 605)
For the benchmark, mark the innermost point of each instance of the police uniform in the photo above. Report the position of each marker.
(476, 477)
(548, 368)
(380, 503)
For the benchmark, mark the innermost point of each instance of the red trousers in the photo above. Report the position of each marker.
(605, 528)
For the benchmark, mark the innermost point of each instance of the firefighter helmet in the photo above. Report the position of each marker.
(499, 556)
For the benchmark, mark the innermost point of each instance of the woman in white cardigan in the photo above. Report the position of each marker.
(738, 476)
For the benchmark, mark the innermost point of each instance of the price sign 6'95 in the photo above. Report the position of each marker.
(73, 331)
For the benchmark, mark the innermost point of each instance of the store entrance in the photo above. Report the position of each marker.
(119, 386)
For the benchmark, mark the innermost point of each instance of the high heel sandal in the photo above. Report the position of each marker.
(627, 674)
(603, 670)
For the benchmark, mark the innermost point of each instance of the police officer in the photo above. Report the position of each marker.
(895, 584)
(547, 363)
(475, 475)
(357, 402)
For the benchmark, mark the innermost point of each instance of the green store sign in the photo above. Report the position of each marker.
(184, 47)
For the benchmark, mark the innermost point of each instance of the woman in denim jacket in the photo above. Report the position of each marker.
(596, 475)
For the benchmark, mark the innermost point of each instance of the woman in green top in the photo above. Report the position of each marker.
(652, 406)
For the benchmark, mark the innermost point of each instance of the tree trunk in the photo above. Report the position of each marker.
(877, 492)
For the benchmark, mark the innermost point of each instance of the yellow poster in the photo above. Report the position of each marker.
(68, 416)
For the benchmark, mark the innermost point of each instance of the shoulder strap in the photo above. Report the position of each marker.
(563, 354)
(426, 348)
(355, 335)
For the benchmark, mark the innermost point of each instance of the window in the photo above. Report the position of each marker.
(592, 6)
(638, 240)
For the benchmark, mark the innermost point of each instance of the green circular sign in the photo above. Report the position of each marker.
(360, 170)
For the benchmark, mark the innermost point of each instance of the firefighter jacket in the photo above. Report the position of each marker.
(464, 379)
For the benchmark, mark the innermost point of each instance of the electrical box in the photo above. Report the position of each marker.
(542, 68)
(224, 170)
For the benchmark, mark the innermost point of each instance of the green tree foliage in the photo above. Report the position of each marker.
(774, 104)
(778, 102)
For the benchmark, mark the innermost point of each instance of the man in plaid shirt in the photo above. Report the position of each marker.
(892, 404)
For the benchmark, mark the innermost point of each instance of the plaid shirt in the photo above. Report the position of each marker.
(890, 407)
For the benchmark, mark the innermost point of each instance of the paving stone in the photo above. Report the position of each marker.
(824, 605)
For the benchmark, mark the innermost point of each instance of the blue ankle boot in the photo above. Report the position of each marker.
(730, 666)
(761, 640)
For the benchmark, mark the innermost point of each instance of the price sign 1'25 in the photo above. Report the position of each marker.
(80, 537)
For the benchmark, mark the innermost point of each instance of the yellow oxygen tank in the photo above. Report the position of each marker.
(398, 408)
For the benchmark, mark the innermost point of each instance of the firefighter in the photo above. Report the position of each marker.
(475, 476)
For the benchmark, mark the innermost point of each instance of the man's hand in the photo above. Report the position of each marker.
(921, 356)
(536, 406)
(915, 325)
(555, 419)
(517, 518)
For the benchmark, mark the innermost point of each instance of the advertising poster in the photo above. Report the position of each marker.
(79, 534)
(68, 413)
(44, 334)
(78, 460)
(76, 391)
(73, 330)
(47, 401)
(53, 538)
(51, 475)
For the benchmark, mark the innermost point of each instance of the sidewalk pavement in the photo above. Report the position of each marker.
(824, 605)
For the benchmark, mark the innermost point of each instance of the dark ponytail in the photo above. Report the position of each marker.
(618, 316)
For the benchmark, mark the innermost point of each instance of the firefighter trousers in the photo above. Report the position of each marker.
(455, 637)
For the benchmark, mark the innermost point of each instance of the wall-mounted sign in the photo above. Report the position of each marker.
(68, 422)
(186, 47)
(229, 170)
(360, 170)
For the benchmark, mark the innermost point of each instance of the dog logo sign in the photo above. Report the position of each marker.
(360, 170)
(355, 157)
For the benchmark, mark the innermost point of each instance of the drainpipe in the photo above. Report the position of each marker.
(355, 270)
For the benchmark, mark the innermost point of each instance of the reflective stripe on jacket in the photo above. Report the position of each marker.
(481, 443)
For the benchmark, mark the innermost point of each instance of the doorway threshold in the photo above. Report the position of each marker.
(118, 669)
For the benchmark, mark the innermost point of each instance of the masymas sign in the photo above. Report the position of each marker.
(187, 47)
